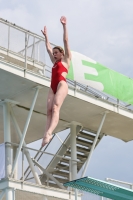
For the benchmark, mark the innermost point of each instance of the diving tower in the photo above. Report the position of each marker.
(86, 115)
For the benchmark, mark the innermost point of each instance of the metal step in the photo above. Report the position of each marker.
(84, 143)
(62, 166)
(61, 173)
(83, 150)
(87, 136)
(79, 156)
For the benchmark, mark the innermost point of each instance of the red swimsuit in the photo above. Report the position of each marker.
(57, 70)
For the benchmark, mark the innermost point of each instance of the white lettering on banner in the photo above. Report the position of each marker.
(80, 69)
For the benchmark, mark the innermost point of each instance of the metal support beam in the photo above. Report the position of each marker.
(59, 138)
(94, 144)
(9, 194)
(76, 194)
(16, 126)
(38, 51)
(25, 129)
(33, 49)
(26, 44)
(70, 171)
(22, 164)
(8, 38)
(7, 138)
(75, 128)
(49, 175)
(2, 194)
(16, 168)
(73, 151)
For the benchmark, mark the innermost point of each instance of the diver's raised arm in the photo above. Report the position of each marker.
(48, 46)
(63, 20)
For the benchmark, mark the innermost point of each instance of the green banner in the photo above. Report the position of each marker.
(87, 71)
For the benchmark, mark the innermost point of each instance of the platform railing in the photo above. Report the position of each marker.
(22, 167)
(31, 46)
(24, 43)
(120, 183)
(29, 42)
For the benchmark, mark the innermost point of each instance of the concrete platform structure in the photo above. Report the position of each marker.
(87, 113)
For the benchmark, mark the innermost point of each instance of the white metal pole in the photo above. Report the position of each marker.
(59, 138)
(94, 144)
(70, 178)
(70, 171)
(7, 138)
(33, 49)
(25, 150)
(73, 151)
(8, 38)
(22, 164)
(14, 193)
(76, 194)
(16, 168)
(25, 130)
(38, 45)
(9, 194)
(26, 43)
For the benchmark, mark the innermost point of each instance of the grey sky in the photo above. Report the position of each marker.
(101, 30)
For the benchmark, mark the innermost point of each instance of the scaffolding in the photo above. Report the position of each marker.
(86, 116)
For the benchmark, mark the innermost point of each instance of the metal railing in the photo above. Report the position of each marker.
(22, 179)
(120, 183)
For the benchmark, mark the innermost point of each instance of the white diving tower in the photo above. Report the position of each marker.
(86, 115)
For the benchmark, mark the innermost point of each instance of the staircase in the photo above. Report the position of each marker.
(59, 167)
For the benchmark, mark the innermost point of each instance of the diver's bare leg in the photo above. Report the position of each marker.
(59, 97)
(49, 112)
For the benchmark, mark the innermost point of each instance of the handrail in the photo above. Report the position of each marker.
(51, 154)
(13, 25)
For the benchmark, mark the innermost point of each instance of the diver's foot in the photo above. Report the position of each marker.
(46, 139)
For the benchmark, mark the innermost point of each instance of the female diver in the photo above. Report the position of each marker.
(59, 88)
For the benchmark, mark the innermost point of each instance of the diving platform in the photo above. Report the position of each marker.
(101, 188)
(86, 114)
